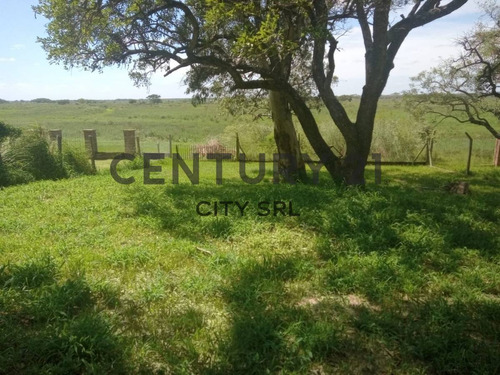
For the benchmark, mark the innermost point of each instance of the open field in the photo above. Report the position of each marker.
(98, 277)
(396, 133)
(404, 278)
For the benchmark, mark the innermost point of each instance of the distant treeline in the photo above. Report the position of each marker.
(134, 101)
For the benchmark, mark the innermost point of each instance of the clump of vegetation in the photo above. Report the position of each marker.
(6, 132)
(76, 162)
(396, 143)
(41, 100)
(154, 98)
(28, 156)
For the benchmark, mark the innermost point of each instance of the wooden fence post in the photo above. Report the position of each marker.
(429, 151)
(90, 136)
(170, 146)
(470, 153)
(138, 146)
(432, 150)
(237, 147)
(496, 162)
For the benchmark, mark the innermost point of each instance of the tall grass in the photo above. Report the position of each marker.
(30, 157)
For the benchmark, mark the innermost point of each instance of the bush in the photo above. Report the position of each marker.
(396, 142)
(30, 158)
(76, 162)
(4, 177)
(6, 132)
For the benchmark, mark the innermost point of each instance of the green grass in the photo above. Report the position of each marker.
(402, 278)
(156, 121)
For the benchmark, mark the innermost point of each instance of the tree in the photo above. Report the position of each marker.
(254, 43)
(465, 89)
(206, 83)
(154, 98)
(382, 42)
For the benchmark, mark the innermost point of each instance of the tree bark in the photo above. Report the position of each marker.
(291, 164)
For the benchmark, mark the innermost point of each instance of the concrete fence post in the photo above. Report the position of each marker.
(130, 141)
(90, 136)
(55, 135)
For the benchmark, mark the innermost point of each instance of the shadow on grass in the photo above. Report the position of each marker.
(399, 268)
(440, 335)
(51, 326)
(382, 218)
(174, 208)
(271, 333)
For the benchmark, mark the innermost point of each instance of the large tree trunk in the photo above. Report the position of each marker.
(291, 164)
(354, 163)
(359, 136)
(311, 130)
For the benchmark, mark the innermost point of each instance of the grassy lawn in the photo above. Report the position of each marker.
(404, 278)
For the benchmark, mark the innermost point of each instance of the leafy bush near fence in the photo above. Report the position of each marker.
(75, 162)
(28, 156)
(395, 142)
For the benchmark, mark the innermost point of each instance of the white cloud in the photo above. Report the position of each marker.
(7, 59)
(18, 47)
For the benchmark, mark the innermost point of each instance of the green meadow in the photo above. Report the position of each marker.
(397, 135)
(96, 277)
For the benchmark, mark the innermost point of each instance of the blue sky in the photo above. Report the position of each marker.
(25, 73)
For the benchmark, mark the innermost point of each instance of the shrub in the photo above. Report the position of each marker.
(29, 158)
(396, 142)
(4, 177)
(6, 132)
(136, 164)
(76, 162)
